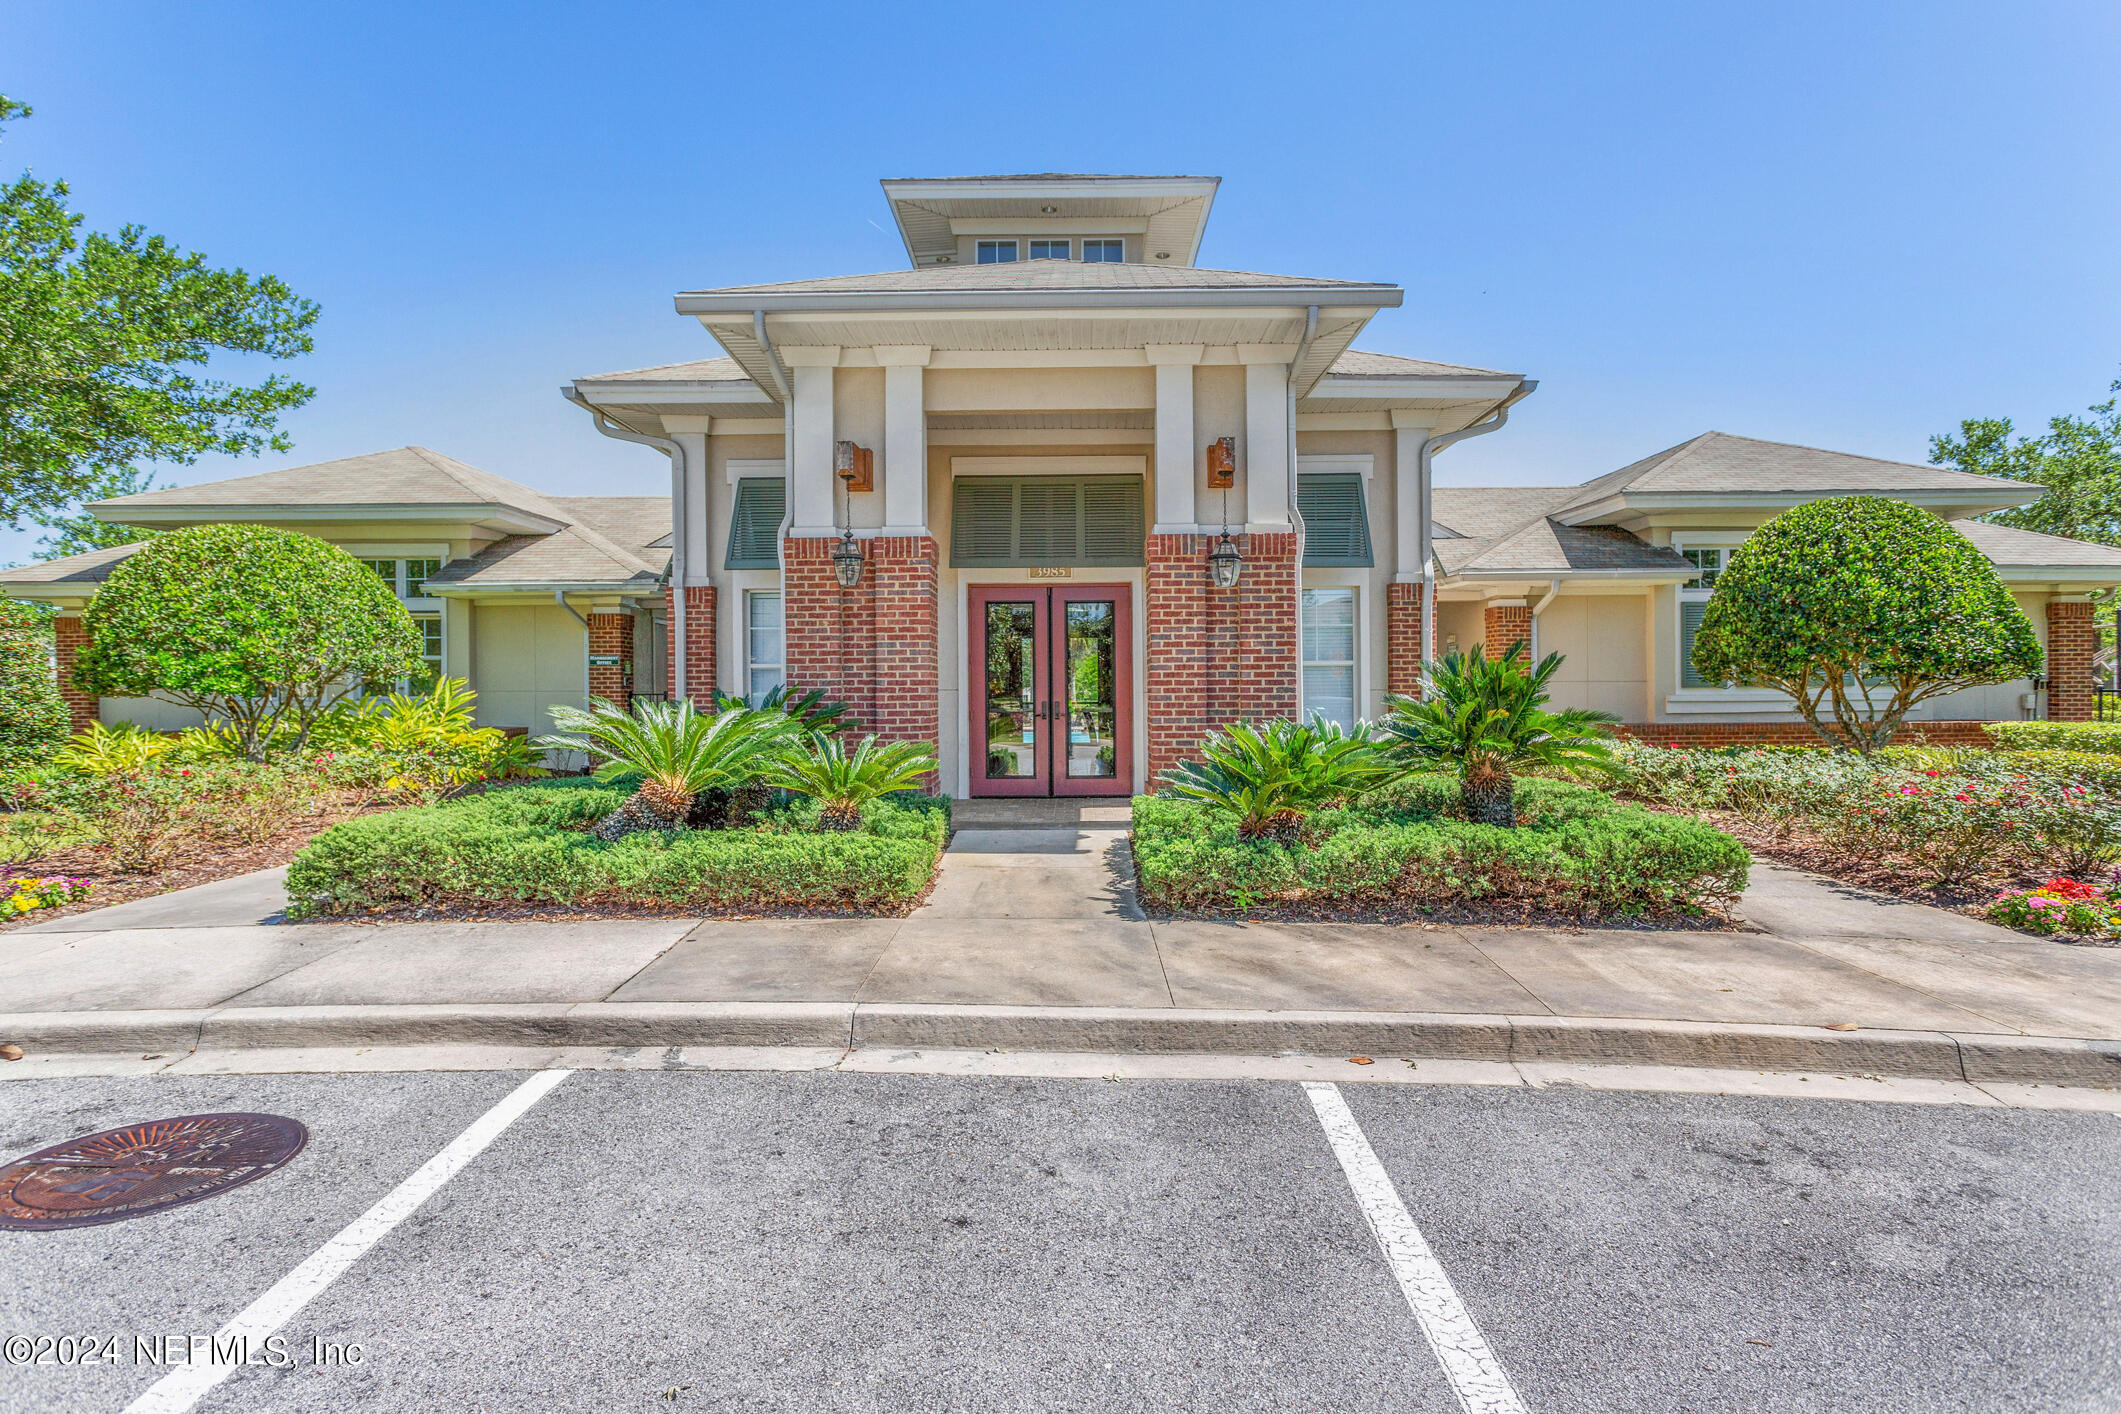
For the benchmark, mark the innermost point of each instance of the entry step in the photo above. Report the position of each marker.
(1040, 812)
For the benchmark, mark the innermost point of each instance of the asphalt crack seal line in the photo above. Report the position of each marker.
(186, 1385)
(1477, 1377)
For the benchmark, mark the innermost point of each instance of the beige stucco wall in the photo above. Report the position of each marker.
(525, 659)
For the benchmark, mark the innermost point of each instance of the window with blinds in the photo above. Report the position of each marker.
(1336, 522)
(755, 523)
(1001, 522)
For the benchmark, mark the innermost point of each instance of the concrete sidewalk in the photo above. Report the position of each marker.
(1033, 939)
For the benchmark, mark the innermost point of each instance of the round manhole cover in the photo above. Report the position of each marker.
(143, 1168)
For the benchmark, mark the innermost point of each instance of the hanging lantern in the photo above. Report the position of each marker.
(1225, 564)
(847, 561)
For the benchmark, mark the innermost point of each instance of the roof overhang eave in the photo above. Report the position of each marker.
(488, 514)
(471, 590)
(1672, 576)
(1433, 388)
(1962, 504)
(710, 302)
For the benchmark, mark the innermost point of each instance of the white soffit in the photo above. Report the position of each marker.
(1174, 210)
(1049, 466)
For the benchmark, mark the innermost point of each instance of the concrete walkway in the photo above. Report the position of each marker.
(1033, 937)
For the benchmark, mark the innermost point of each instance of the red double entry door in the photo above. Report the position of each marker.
(1052, 691)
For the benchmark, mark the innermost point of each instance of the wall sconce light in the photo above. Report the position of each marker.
(847, 561)
(1225, 564)
(1222, 463)
(854, 465)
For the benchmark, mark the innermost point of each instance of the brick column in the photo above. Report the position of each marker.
(611, 635)
(905, 688)
(1217, 656)
(700, 680)
(830, 631)
(1403, 639)
(2072, 641)
(1505, 624)
(69, 637)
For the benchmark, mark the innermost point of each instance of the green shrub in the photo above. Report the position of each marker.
(531, 844)
(33, 719)
(1576, 851)
(2056, 736)
(1860, 608)
(1271, 777)
(262, 629)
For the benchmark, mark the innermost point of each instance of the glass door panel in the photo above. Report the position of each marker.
(1092, 705)
(1009, 683)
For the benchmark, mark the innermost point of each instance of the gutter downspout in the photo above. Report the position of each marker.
(1296, 519)
(675, 688)
(1430, 446)
(559, 597)
(780, 544)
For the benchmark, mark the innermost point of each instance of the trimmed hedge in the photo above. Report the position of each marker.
(529, 844)
(1579, 851)
(2056, 736)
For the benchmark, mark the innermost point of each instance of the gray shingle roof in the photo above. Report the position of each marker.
(574, 555)
(1719, 462)
(1038, 275)
(1547, 547)
(1360, 363)
(699, 370)
(1484, 512)
(91, 568)
(2009, 546)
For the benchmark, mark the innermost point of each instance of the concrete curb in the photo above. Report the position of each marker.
(1930, 1055)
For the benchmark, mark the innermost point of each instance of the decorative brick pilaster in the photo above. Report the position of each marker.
(700, 680)
(69, 637)
(1217, 656)
(873, 647)
(2072, 642)
(1505, 624)
(1403, 639)
(611, 636)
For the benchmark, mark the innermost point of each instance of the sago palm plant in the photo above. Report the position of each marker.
(842, 783)
(1486, 719)
(674, 749)
(1271, 777)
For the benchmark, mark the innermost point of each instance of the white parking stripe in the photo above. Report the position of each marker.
(1476, 1376)
(186, 1385)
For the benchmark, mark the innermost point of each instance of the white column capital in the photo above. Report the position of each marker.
(810, 355)
(687, 425)
(1164, 354)
(1265, 353)
(903, 355)
(1412, 420)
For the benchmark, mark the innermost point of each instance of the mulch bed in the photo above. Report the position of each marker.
(1464, 915)
(198, 861)
(1899, 881)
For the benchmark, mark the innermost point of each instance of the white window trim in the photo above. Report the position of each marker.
(1120, 241)
(1360, 662)
(750, 665)
(1736, 696)
(1328, 463)
(1014, 242)
(1067, 247)
(743, 468)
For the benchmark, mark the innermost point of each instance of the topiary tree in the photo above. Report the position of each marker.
(33, 720)
(258, 628)
(1860, 608)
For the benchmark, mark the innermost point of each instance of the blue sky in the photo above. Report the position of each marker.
(1844, 225)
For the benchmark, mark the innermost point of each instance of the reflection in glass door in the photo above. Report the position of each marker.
(1051, 691)
(1013, 696)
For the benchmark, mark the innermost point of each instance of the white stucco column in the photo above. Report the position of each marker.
(690, 433)
(810, 489)
(1410, 494)
(905, 470)
(1175, 452)
(1266, 434)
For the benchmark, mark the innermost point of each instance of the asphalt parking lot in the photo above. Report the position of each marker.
(745, 1241)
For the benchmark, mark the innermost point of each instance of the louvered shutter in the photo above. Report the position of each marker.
(1690, 612)
(1112, 520)
(1017, 521)
(1336, 523)
(755, 523)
